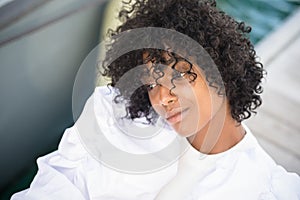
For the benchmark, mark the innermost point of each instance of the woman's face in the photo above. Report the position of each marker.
(186, 105)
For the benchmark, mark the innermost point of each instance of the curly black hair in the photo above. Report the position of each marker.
(225, 40)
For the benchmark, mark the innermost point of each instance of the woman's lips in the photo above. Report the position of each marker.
(176, 117)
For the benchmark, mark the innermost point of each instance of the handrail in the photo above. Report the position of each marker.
(76, 6)
(14, 10)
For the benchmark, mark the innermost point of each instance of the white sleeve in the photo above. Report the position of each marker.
(48, 184)
(285, 185)
(58, 176)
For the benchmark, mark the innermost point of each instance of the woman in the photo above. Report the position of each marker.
(195, 71)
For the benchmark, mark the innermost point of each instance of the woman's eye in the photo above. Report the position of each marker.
(178, 75)
(182, 74)
(151, 86)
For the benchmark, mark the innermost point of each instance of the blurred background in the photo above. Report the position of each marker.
(44, 42)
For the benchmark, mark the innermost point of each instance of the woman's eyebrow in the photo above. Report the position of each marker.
(147, 80)
(145, 74)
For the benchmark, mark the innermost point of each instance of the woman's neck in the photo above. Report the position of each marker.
(221, 133)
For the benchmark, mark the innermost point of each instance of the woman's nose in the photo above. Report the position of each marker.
(166, 97)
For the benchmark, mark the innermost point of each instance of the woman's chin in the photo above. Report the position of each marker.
(185, 131)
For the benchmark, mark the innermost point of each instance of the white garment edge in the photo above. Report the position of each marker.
(51, 183)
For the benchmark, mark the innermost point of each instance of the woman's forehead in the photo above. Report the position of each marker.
(165, 59)
(150, 62)
(162, 56)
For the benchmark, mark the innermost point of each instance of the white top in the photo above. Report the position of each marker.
(243, 172)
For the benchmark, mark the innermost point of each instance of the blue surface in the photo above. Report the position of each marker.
(262, 15)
